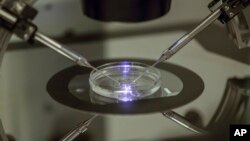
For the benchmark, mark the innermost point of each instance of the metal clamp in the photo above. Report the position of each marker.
(229, 8)
(232, 14)
(18, 20)
(16, 17)
(239, 31)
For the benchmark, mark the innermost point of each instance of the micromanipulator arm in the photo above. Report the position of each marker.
(18, 20)
(222, 10)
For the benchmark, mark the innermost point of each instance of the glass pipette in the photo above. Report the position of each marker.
(67, 52)
(169, 52)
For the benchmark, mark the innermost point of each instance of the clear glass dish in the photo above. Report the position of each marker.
(106, 89)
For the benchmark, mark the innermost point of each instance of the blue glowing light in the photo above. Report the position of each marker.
(127, 89)
(125, 67)
(126, 93)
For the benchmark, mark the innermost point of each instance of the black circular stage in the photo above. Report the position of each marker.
(58, 88)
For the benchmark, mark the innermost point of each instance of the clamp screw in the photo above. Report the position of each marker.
(231, 14)
(226, 8)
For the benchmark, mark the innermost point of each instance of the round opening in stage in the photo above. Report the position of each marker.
(114, 82)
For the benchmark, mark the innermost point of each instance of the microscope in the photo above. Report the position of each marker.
(16, 18)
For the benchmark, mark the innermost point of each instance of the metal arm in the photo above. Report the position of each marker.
(183, 122)
(80, 129)
(67, 52)
(19, 22)
(179, 44)
(225, 11)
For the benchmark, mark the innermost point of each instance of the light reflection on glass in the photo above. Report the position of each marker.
(126, 92)
(124, 72)
(125, 68)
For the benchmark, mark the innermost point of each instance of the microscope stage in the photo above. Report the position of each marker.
(179, 86)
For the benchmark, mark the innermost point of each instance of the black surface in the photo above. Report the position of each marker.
(125, 10)
(192, 88)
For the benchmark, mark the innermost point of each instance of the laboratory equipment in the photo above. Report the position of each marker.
(80, 129)
(29, 32)
(18, 21)
(183, 122)
(103, 90)
(126, 10)
(176, 78)
(72, 55)
(21, 15)
(222, 12)
(25, 29)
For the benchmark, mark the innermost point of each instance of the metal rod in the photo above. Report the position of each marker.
(67, 52)
(80, 129)
(174, 48)
(7, 16)
(183, 122)
(190, 36)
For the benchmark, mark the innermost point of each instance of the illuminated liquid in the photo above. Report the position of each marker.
(145, 87)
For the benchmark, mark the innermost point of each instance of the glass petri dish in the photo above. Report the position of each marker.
(113, 82)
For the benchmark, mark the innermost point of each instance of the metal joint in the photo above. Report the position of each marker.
(16, 17)
(25, 30)
(229, 8)
(239, 31)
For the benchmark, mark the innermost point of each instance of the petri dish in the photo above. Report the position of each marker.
(113, 82)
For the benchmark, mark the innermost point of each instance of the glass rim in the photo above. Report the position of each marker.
(104, 69)
(131, 63)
